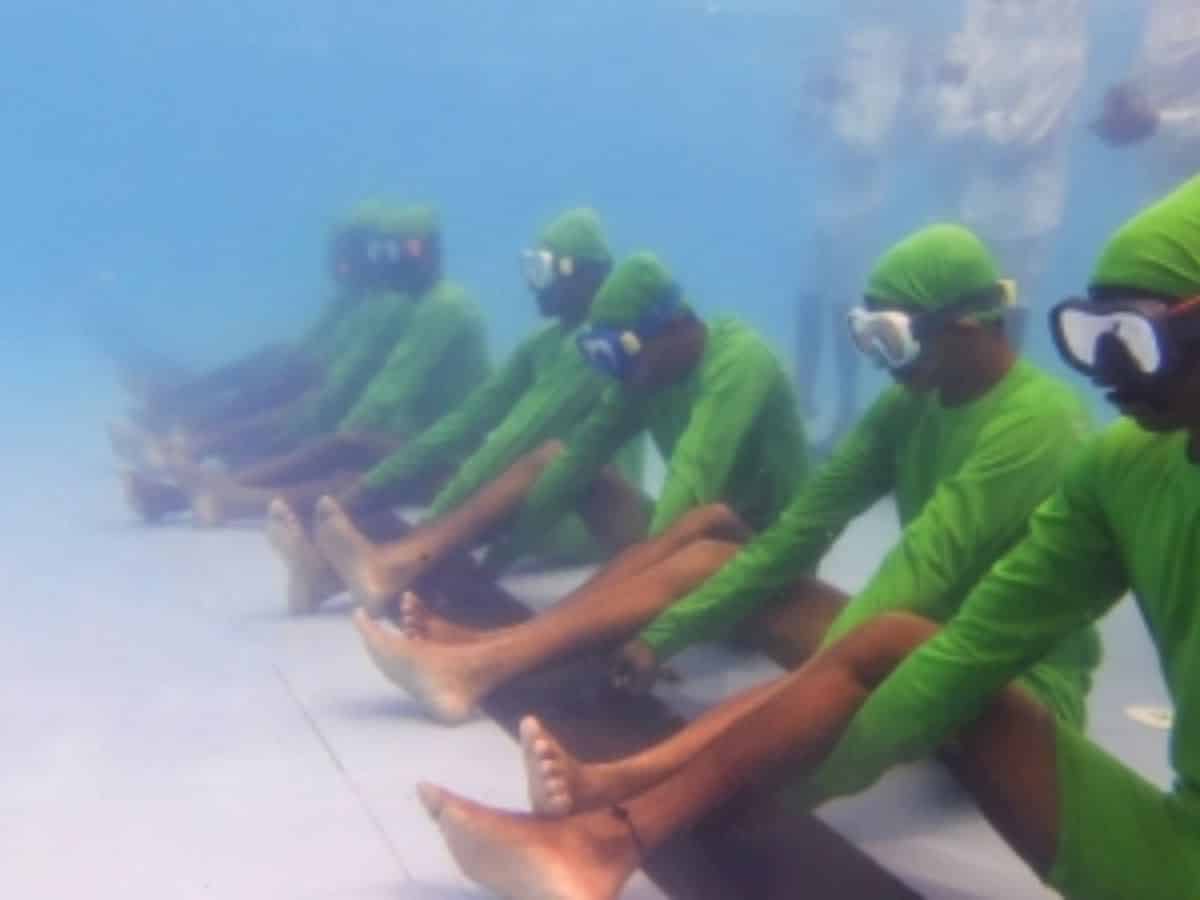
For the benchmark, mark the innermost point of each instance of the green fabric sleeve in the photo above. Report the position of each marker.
(390, 400)
(858, 474)
(1063, 576)
(455, 433)
(614, 422)
(972, 519)
(729, 403)
(530, 423)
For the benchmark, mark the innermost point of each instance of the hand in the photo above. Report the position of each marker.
(1128, 117)
(636, 667)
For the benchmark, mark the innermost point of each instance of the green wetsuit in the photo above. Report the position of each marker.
(440, 357)
(382, 335)
(966, 480)
(729, 432)
(1124, 517)
(543, 390)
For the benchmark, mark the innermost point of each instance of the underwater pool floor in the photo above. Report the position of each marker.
(170, 732)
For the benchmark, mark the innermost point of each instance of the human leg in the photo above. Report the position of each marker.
(451, 679)
(788, 733)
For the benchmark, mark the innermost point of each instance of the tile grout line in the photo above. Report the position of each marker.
(376, 823)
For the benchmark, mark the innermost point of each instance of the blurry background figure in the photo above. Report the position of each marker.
(1000, 102)
(860, 102)
(1159, 103)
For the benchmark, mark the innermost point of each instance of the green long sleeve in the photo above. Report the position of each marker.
(461, 429)
(859, 473)
(729, 401)
(975, 514)
(561, 398)
(319, 340)
(616, 420)
(1064, 575)
(439, 357)
(364, 340)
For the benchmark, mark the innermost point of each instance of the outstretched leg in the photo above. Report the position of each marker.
(377, 575)
(451, 679)
(1007, 760)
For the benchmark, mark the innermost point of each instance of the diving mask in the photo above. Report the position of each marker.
(614, 351)
(892, 337)
(541, 267)
(1124, 339)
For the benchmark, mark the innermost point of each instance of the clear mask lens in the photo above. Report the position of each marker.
(537, 267)
(1081, 332)
(886, 337)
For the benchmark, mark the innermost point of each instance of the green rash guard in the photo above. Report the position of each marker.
(440, 357)
(544, 390)
(1123, 518)
(729, 431)
(965, 479)
(357, 348)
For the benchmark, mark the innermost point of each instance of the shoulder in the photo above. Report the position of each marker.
(450, 296)
(1045, 407)
(735, 347)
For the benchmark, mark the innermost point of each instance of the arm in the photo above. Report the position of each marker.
(1063, 576)
(858, 474)
(606, 430)
(729, 405)
(537, 417)
(366, 338)
(388, 403)
(457, 431)
(972, 519)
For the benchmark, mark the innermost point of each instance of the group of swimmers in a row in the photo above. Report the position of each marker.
(973, 640)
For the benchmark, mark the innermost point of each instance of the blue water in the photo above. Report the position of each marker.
(176, 164)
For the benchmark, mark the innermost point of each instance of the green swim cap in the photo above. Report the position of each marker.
(577, 233)
(635, 284)
(1158, 250)
(933, 268)
(408, 221)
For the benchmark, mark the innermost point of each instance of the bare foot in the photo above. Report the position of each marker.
(355, 558)
(419, 622)
(311, 581)
(443, 678)
(149, 498)
(525, 858)
(551, 772)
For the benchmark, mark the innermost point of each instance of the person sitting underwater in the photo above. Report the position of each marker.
(411, 352)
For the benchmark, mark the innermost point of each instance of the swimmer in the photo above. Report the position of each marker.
(1158, 105)
(410, 359)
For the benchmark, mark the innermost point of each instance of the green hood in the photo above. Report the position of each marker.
(630, 290)
(579, 234)
(932, 268)
(1158, 250)
(412, 221)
